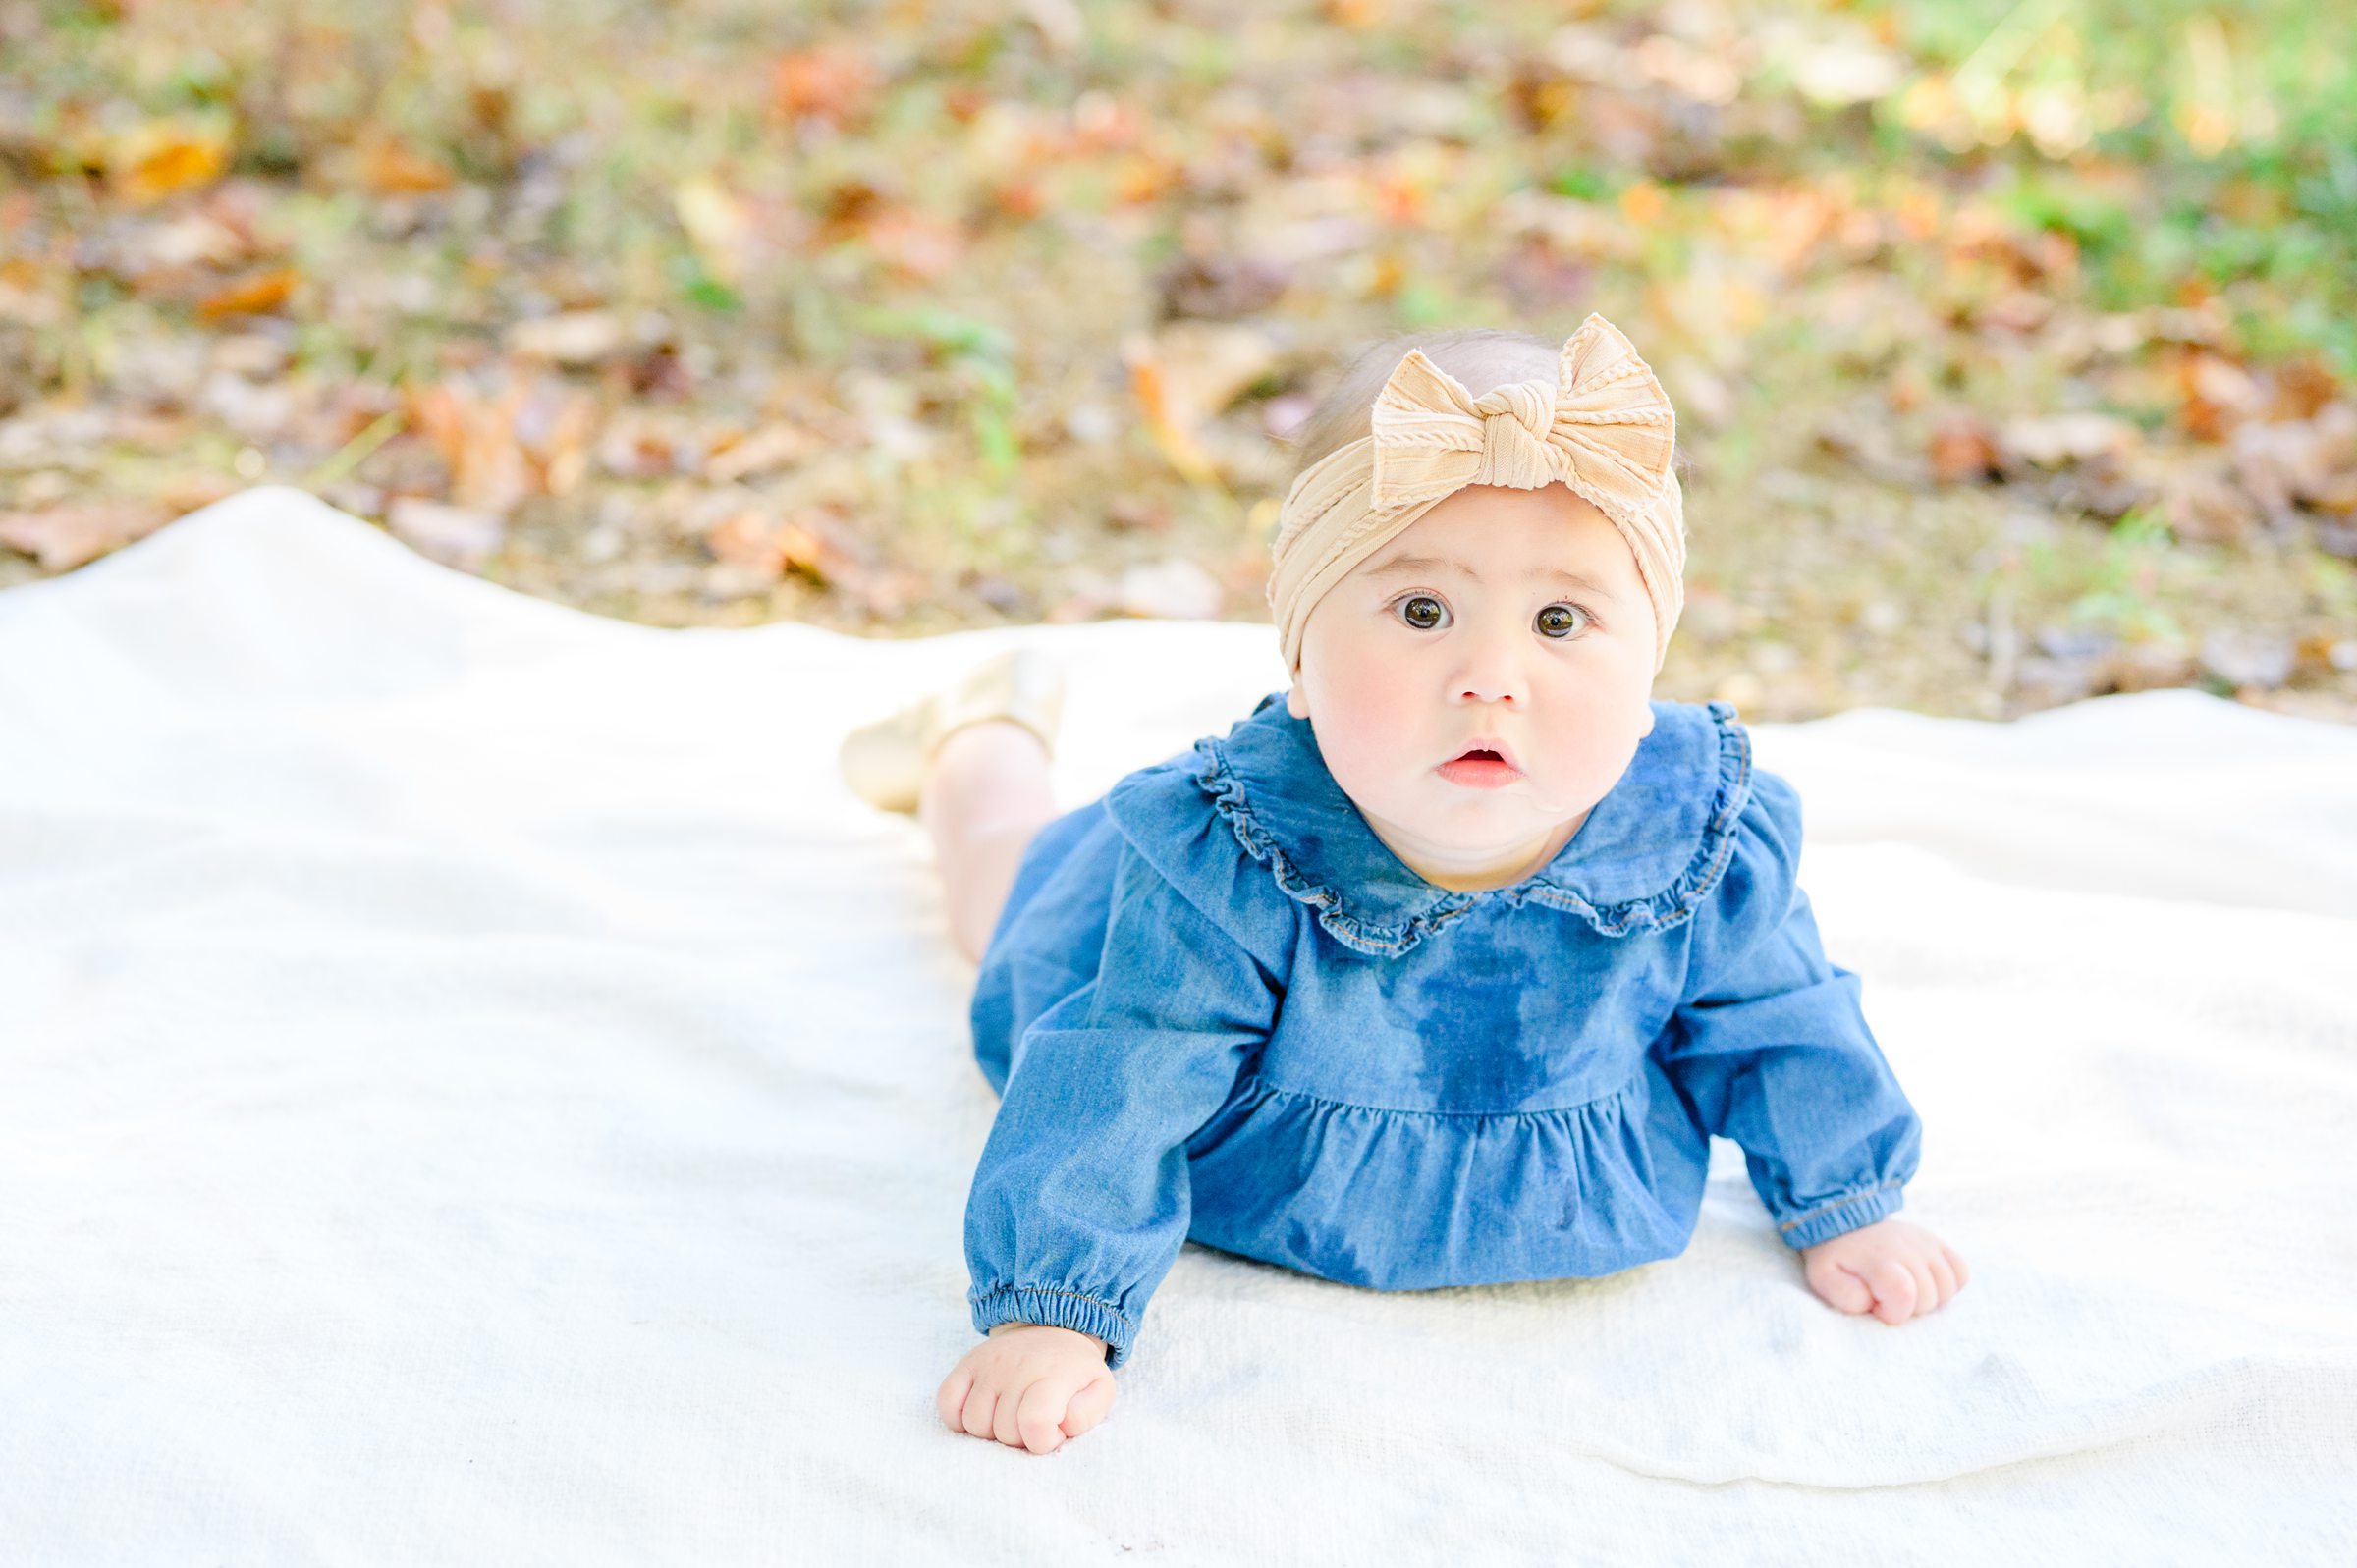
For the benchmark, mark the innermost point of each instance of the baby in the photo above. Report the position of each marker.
(1441, 968)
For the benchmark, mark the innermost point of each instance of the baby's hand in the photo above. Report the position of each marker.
(1896, 1269)
(1030, 1385)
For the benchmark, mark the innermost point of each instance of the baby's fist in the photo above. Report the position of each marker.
(1891, 1269)
(1030, 1386)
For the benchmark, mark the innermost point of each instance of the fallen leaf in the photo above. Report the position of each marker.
(833, 85)
(2147, 666)
(475, 434)
(554, 428)
(186, 493)
(2217, 396)
(2201, 505)
(393, 169)
(717, 225)
(574, 338)
(1184, 375)
(2051, 441)
(2285, 462)
(1962, 450)
(62, 538)
(925, 248)
(765, 450)
(255, 296)
(1222, 288)
(149, 162)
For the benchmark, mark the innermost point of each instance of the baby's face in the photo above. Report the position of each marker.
(1404, 666)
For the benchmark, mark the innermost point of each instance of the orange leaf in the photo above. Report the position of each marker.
(1143, 177)
(151, 161)
(1963, 451)
(250, 296)
(1643, 202)
(833, 85)
(1177, 442)
(918, 246)
(394, 170)
(475, 434)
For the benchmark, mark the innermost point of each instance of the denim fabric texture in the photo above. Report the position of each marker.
(1217, 1006)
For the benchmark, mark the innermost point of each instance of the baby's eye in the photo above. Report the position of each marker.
(1422, 609)
(1555, 620)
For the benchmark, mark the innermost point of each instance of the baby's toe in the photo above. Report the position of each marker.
(1895, 1291)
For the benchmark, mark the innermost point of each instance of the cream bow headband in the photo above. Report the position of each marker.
(1604, 428)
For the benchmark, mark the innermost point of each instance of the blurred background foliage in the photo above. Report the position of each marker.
(2013, 339)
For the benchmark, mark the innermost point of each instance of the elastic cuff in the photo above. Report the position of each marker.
(1058, 1308)
(1842, 1216)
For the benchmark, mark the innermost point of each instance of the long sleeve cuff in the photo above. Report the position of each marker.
(1841, 1215)
(1058, 1308)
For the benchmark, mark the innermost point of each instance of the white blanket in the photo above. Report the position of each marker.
(475, 1088)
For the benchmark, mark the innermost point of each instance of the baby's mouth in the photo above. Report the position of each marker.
(1479, 768)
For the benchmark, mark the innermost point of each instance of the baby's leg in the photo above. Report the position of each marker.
(985, 794)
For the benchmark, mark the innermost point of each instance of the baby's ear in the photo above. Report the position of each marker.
(1648, 730)
(1295, 702)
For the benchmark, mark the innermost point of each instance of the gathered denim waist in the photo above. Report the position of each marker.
(1260, 1085)
(1377, 1196)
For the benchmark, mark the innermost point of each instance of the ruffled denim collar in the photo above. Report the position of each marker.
(1653, 848)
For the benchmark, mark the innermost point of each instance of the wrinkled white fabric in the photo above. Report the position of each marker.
(477, 1089)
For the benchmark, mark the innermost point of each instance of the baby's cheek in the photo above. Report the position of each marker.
(1593, 747)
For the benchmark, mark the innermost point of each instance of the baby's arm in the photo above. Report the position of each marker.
(1772, 1050)
(1080, 1201)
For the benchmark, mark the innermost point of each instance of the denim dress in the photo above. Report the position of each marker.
(1217, 1006)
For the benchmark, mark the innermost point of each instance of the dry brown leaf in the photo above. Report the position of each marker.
(573, 338)
(2054, 440)
(770, 546)
(555, 429)
(1962, 450)
(186, 493)
(2302, 388)
(747, 539)
(2217, 396)
(62, 538)
(1143, 177)
(1184, 375)
(393, 169)
(763, 451)
(831, 85)
(2289, 460)
(923, 247)
(2198, 503)
(475, 434)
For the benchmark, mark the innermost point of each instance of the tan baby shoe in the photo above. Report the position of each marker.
(884, 762)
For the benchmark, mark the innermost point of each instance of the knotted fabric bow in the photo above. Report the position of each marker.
(1602, 428)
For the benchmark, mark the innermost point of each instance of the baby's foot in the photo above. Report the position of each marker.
(884, 762)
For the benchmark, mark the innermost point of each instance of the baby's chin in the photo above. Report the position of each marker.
(1453, 817)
